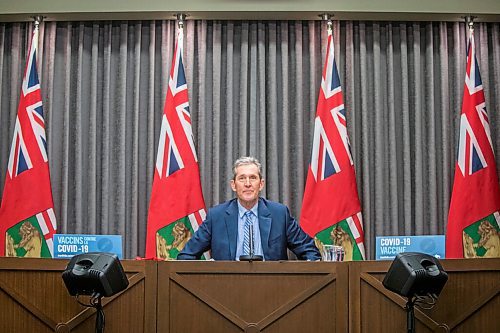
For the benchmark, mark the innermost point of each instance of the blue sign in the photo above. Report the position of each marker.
(66, 246)
(387, 247)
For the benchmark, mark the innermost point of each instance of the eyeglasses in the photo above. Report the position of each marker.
(251, 179)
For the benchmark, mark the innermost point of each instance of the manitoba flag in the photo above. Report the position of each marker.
(331, 212)
(27, 220)
(473, 220)
(177, 207)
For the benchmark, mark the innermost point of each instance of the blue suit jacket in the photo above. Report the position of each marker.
(278, 231)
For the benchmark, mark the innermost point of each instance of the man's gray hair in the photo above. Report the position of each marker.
(245, 160)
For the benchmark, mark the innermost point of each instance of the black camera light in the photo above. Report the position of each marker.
(417, 276)
(97, 275)
(415, 273)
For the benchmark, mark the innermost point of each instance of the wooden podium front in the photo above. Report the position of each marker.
(219, 297)
(252, 297)
(33, 298)
(469, 301)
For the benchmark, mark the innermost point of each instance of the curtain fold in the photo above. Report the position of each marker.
(253, 88)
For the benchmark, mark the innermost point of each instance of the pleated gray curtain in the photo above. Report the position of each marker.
(253, 90)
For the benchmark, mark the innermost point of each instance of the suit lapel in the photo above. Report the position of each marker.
(264, 226)
(231, 220)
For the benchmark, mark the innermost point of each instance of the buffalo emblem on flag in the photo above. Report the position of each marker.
(171, 239)
(24, 240)
(482, 240)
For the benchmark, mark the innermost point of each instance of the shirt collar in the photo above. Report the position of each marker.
(242, 210)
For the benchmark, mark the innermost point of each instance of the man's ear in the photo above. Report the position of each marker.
(261, 186)
(233, 185)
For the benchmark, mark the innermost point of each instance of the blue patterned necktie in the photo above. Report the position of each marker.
(246, 233)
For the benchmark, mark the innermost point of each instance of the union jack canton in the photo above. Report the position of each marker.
(169, 158)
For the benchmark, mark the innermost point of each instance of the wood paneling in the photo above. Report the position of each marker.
(209, 296)
(252, 297)
(33, 298)
(468, 302)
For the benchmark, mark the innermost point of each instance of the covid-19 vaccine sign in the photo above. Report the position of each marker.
(387, 247)
(66, 246)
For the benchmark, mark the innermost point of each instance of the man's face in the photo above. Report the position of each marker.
(247, 184)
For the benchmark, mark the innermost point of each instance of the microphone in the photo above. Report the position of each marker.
(251, 256)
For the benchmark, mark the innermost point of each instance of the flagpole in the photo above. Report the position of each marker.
(328, 18)
(27, 200)
(475, 197)
(181, 17)
(321, 218)
(469, 20)
(38, 19)
(176, 205)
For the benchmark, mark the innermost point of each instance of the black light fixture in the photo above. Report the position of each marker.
(417, 276)
(97, 275)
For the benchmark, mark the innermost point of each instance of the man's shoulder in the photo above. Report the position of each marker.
(232, 204)
(272, 205)
(222, 207)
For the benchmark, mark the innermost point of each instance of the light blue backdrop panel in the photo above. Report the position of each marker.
(387, 247)
(66, 246)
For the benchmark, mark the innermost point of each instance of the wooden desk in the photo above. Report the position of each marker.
(469, 301)
(33, 298)
(292, 296)
(252, 297)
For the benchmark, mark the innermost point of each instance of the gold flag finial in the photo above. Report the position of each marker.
(469, 20)
(37, 19)
(181, 17)
(328, 18)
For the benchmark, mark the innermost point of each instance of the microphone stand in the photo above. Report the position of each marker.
(251, 256)
(410, 315)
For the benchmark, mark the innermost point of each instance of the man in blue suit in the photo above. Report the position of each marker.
(226, 232)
